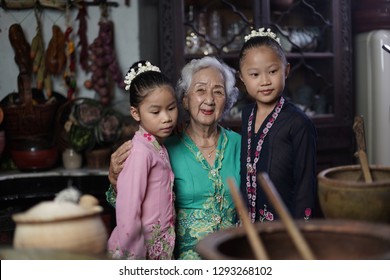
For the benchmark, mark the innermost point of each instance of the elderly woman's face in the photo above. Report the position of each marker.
(206, 97)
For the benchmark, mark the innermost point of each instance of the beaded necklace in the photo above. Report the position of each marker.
(251, 181)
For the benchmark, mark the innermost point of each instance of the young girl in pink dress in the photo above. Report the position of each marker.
(145, 212)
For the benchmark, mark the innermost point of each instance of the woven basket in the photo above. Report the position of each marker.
(22, 121)
(98, 158)
(28, 119)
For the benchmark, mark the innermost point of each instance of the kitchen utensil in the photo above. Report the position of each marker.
(254, 238)
(343, 195)
(328, 239)
(358, 128)
(292, 229)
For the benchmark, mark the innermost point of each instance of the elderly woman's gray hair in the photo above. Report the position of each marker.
(196, 65)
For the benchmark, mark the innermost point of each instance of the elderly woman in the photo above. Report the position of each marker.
(202, 156)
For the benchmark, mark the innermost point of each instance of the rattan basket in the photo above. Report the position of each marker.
(28, 119)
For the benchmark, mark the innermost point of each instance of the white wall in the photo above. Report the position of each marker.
(126, 41)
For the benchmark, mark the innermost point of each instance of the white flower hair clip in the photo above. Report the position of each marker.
(262, 33)
(141, 69)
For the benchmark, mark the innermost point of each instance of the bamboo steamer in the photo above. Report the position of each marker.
(328, 239)
(343, 194)
(63, 226)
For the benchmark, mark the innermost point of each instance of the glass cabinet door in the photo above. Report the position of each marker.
(216, 27)
(306, 30)
(316, 35)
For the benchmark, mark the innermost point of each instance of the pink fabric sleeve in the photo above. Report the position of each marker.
(132, 185)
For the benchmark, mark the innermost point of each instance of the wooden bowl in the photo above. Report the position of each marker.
(343, 194)
(328, 239)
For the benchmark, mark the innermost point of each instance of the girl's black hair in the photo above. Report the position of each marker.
(144, 82)
(259, 41)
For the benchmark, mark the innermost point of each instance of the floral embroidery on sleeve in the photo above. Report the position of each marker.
(161, 244)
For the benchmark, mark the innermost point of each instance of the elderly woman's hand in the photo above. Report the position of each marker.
(118, 159)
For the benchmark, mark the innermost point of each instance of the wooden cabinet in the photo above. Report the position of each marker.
(316, 36)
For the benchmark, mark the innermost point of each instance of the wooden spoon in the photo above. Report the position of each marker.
(253, 237)
(358, 128)
(285, 216)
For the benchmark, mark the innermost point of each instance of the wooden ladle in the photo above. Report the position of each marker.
(254, 239)
(292, 229)
(358, 128)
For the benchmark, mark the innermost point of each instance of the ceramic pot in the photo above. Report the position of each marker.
(64, 226)
(71, 159)
(33, 154)
(328, 240)
(343, 194)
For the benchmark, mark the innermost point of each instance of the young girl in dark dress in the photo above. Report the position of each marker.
(277, 137)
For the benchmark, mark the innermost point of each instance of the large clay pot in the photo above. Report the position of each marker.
(63, 226)
(343, 194)
(328, 239)
(34, 154)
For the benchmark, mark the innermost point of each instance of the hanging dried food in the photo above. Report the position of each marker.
(37, 54)
(55, 53)
(70, 72)
(21, 48)
(22, 58)
(37, 49)
(104, 64)
(82, 32)
(110, 55)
